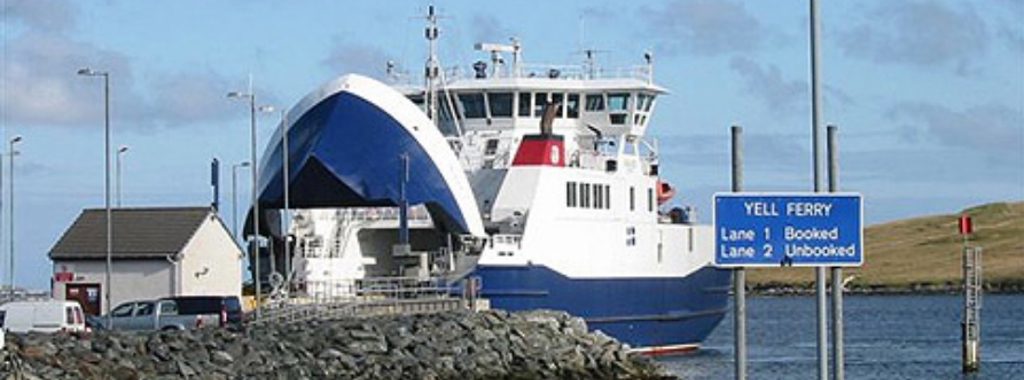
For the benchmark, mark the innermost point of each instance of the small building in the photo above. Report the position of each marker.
(156, 252)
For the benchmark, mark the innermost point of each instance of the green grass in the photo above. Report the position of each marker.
(927, 251)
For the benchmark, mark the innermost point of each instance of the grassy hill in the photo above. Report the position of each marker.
(926, 253)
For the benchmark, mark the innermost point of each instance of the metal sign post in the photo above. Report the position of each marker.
(739, 276)
(837, 272)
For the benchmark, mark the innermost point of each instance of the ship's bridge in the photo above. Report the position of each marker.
(492, 114)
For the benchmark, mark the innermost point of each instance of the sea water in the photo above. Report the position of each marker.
(886, 337)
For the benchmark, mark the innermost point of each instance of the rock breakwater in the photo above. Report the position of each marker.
(454, 345)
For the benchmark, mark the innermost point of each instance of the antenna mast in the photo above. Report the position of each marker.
(431, 73)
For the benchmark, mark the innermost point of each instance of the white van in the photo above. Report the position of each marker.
(43, 316)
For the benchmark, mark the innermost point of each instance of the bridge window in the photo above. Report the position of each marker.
(595, 102)
(644, 102)
(558, 98)
(540, 101)
(473, 106)
(501, 104)
(572, 106)
(524, 104)
(618, 102)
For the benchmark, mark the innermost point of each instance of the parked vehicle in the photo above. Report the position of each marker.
(47, 316)
(175, 313)
(228, 308)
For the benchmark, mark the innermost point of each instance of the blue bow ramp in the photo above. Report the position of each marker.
(345, 146)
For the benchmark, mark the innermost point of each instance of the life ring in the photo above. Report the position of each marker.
(665, 192)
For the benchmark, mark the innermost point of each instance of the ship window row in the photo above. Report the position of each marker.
(480, 105)
(484, 105)
(588, 195)
(618, 102)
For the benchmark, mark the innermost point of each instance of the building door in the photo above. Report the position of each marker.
(87, 295)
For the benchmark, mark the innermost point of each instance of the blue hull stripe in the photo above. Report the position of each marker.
(643, 312)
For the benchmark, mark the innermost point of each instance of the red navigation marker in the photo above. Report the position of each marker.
(966, 228)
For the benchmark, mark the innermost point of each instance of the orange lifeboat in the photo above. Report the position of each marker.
(665, 192)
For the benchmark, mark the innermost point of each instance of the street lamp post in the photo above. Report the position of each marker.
(286, 221)
(106, 174)
(287, 207)
(10, 240)
(234, 198)
(120, 152)
(254, 243)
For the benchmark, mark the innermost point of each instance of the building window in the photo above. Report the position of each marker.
(598, 196)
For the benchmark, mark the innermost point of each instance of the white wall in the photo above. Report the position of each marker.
(132, 279)
(212, 262)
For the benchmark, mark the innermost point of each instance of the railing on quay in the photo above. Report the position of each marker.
(369, 296)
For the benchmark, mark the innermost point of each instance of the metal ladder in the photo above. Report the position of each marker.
(972, 292)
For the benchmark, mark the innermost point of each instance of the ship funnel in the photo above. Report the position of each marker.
(550, 111)
(546, 148)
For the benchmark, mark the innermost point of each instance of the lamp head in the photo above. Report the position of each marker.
(16, 139)
(122, 149)
(237, 94)
(90, 72)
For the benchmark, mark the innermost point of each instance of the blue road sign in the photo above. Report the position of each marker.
(788, 229)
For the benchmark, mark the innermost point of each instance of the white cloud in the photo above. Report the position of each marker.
(41, 86)
(782, 97)
(346, 57)
(921, 33)
(191, 97)
(53, 15)
(704, 27)
(488, 28)
(993, 129)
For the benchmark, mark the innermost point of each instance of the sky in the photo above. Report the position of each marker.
(928, 96)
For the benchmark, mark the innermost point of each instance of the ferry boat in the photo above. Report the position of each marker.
(535, 180)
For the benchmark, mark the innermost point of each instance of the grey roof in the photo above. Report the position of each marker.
(137, 233)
